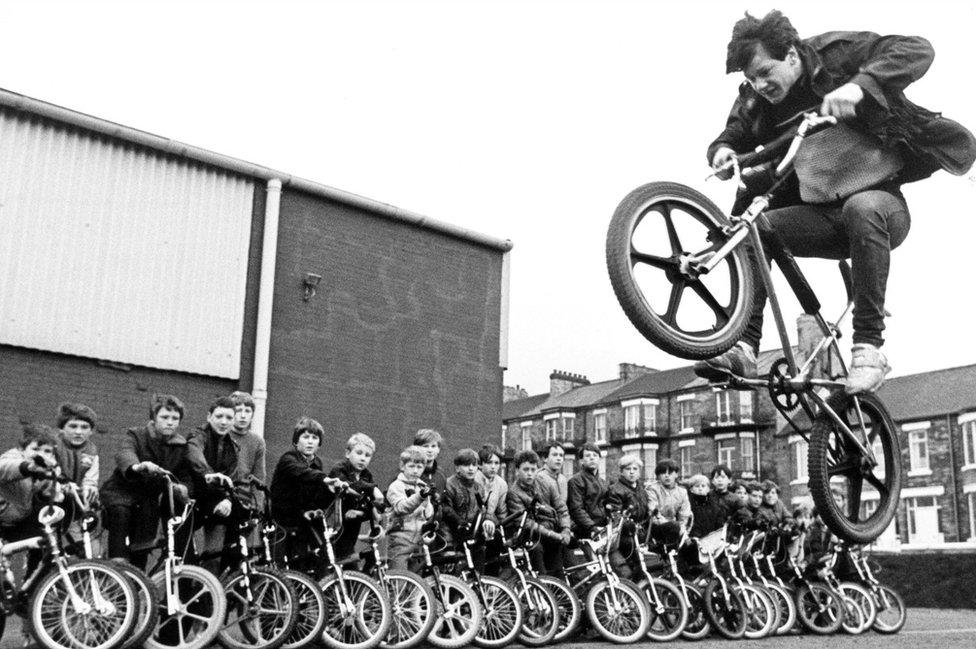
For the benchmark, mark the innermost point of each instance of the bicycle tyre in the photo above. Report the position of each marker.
(662, 329)
(268, 621)
(540, 613)
(570, 607)
(624, 624)
(892, 613)
(210, 610)
(410, 627)
(820, 610)
(148, 605)
(503, 614)
(831, 455)
(372, 612)
(862, 597)
(668, 621)
(457, 626)
(787, 608)
(853, 622)
(760, 610)
(51, 601)
(697, 626)
(310, 609)
(727, 617)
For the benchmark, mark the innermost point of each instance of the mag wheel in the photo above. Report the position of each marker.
(697, 626)
(820, 609)
(618, 611)
(569, 605)
(865, 602)
(310, 610)
(540, 613)
(760, 610)
(147, 611)
(653, 232)
(414, 609)
(201, 608)
(459, 613)
(891, 611)
(261, 610)
(357, 612)
(91, 606)
(726, 610)
(667, 607)
(840, 472)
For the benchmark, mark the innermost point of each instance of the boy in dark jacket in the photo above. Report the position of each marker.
(359, 452)
(538, 494)
(628, 492)
(464, 498)
(721, 494)
(587, 491)
(772, 509)
(430, 440)
(707, 514)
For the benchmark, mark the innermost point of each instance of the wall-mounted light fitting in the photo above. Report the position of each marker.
(310, 283)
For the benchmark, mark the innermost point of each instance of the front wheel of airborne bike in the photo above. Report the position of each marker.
(568, 603)
(618, 611)
(836, 464)
(654, 232)
(669, 613)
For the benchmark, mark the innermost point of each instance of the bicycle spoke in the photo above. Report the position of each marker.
(665, 211)
(720, 312)
(848, 465)
(664, 263)
(674, 301)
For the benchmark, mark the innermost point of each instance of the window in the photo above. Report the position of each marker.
(918, 447)
(685, 415)
(504, 430)
(969, 442)
(569, 466)
(631, 421)
(799, 460)
(726, 449)
(747, 455)
(745, 406)
(601, 466)
(723, 405)
(687, 467)
(600, 427)
(527, 437)
(923, 520)
(650, 417)
(971, 497)
(569, 425)
(552, 430)
(649, 458)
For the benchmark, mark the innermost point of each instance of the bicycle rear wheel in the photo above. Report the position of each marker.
(837, 465)
(618, 611)
(651, 234)
(569, 605)
(414, 609)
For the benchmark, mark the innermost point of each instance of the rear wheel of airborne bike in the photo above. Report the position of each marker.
(837, 466)
(654, 231)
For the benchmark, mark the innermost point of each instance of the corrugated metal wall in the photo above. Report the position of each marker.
(114, 252)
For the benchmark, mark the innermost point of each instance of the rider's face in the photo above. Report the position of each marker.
(773, 78)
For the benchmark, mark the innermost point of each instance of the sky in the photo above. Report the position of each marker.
(527, 121)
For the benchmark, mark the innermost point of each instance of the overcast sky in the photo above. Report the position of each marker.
(523, 120)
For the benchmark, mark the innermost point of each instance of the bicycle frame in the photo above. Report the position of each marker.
(600, 564)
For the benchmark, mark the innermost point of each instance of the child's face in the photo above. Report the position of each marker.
(44, 451)
(668, 478)
(167, 421)
(242, 416)
(631, 472)
(308, 444)
(590, 460)
(700, 489)
(526, 472)
(771, 497)
(359, 456)
(490, 468)
(221, 420)
(755, 498)
(554, 461)
(467, 471)
(413, 470)
(720, 482)
(433, 450)
(77, 432)
(742, 495)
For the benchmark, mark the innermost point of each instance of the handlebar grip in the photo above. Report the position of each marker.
(512, 518)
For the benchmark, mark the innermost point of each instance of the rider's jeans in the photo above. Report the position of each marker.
(864, 228)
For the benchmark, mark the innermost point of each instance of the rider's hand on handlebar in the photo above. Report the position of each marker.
(488, 527)
(721, 162)
(147, 467)
(842, 102)
(353, 514)
(223, 508)
(565, 537)
(220, 478)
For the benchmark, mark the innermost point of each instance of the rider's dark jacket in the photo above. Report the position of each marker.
(586, 492)
(883, 66)
(297, 485)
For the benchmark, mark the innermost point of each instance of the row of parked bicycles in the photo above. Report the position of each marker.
(750, 588)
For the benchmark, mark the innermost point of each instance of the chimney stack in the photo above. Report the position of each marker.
(630, 371)
(510, 393)
(561, 382)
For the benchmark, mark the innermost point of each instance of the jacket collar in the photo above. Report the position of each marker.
(176, 439)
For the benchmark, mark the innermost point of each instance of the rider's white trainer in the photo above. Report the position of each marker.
(868, 369)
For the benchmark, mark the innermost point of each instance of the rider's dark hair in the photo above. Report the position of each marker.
(487, 452)
(525, 456)
(721, 468)
(43, 435)
(307, 425)
(588, 446)
(774, 32)
(667, 465)
(548, 447)
(221, 402)
(168, 401)
(79, 411)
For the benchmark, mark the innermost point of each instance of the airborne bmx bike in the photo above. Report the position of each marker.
(686, 276)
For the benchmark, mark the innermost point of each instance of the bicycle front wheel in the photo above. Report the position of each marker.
(459, 613)
(653, 231)
(503, 615)
(310, 610)
(201, 608)
(760, 611)
(358, 614)
(618, 611)
(261, 610)
(540, 613)
(568, 603)
(726, 610)
(786, 606)
(697, 626)
(147, 596)
(862, 597)
(891, 610)
(91, 606)
(669, 613)
(839, 471)
(820, 609)
(414, 609)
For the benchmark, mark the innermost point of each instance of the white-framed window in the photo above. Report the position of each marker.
(799, 450)
(650, 417)
(686, 417)
(527, 436)
(685, 454)
(631, 420)
(971, 498)
(600, 427)
(726, 452)
(649, 458)
(569, 466)
(601, 466)
(552, 430)
(569, 425)
(923, 519)
(747, 454)
(723, 405)
(918, 451)
(745, 405)
(969, 443)
(504, 432)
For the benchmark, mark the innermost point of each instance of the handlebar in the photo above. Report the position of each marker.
(790, 141)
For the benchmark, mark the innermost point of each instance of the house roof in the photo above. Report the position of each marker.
(660, 382)
(585, 395)
(519, 407)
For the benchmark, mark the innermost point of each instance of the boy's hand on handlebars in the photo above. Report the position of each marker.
(353, 514)
(842, 102)
(223, 508)
(147, 467)
(89, 493)
(565, 537)
(720, 162)
(488, 527)
(219, 478)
